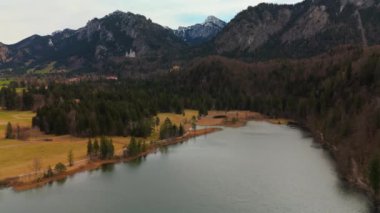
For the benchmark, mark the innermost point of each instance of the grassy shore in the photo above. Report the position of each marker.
(17, 157)
(27, 184)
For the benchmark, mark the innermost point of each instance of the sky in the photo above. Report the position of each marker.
(22, 18)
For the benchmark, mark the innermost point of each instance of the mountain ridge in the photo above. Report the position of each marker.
(100, 42)
(124, 42)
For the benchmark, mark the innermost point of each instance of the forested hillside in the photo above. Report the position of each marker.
(335, 95)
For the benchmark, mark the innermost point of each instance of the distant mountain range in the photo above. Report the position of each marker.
(130, 43)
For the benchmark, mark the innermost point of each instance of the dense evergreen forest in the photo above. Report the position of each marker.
(125, 108)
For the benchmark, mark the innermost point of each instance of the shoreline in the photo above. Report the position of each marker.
(236, 119)
(212, 124)
(19, 186)
(353, 182)
(243, 118)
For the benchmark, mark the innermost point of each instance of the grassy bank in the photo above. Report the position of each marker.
(17, 157)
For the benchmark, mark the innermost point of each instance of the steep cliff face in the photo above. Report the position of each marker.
(3, 53)
(301, 30)
(307, 25)
(252, 28)
(201, 33)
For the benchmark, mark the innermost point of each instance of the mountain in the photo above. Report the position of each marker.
(132, 44)
(3, 52)
(201, 33)
(112, 42)
(301, 30)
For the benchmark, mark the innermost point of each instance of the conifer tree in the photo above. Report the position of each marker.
(96, 147)
(70, 158)
(90, 148)
(9, 131)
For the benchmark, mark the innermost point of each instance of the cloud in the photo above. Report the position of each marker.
(22, 18)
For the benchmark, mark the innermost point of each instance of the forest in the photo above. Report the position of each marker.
(334, 95)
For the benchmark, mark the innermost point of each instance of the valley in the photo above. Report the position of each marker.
(123, 88)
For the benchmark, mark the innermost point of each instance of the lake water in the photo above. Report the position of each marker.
(260, 168)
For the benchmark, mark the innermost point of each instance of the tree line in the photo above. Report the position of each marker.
(170, 130)
(100, 149)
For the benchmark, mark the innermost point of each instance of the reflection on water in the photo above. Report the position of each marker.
(108, 167)
(136, 162)
(164, 150)
(61, 181)
(257, 168)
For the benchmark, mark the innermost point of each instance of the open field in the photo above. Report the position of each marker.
(23, 119)
(16, 157)
(236, 118)
(178, 118)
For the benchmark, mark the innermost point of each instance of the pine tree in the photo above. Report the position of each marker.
(49, 173)
(90, 148)
(9, 132)
(96, 147)
(103, 148)
(166, 129)
(132, 147)
(181, 130)
(70, 158)
(157, 121)
(110, 149)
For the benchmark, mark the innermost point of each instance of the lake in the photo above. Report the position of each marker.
(257, 168)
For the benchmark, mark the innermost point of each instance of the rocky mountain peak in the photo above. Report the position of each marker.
(214, 20)
(118, 13)
(200, 33)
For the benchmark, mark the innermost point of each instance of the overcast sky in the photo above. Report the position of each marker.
(22, 18)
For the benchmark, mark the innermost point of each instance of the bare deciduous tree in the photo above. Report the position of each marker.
(36, 166)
